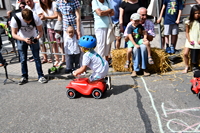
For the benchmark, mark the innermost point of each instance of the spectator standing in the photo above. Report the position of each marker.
(23, 35)
(36, 8)
(69, 14)
(102, 10)
(72, 49)
(127, 8)
(49, 15)
(172, 9)
(10, 14)
(193, 39)
(115, 20)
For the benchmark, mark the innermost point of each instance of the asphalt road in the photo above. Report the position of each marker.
(160, 103)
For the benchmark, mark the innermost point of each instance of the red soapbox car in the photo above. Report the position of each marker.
(195, 88)
(84, 87)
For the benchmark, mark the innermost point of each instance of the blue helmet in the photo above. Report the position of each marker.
(87, 41)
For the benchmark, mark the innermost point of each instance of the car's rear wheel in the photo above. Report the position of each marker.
(96, 93)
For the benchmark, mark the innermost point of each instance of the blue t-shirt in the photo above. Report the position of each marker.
(172, 8)
(116, 5)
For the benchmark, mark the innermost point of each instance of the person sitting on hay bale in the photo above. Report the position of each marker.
(139, 49)
(149, 28)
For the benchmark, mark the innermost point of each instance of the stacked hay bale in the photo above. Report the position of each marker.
(161, 61)
(119, 59)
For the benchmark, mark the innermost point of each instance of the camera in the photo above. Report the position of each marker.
(33, 40)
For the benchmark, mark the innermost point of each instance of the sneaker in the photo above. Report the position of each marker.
(146, 73)
(22, 81)
(42, 80)
(168, 50)
(134, 74)
(172, 49)
(108, 82)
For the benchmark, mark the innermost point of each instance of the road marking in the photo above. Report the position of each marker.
(153, 105)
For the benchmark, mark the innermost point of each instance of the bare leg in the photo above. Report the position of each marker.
(174, 40)
(61, 45)
(186, 59)
(43, 49)
(118, 42)
(163, 42)
(129, 52)
(148, 48)
(55, 50)
(167, 39)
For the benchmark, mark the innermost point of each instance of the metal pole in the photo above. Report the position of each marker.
(159, 27)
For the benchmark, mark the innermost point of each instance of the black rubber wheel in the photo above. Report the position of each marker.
(49, 71)
(198, 94)
(71, 93)
(192, 90)
(96, 93)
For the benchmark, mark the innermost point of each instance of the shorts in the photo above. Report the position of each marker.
(51, 34)
(171, 29)
(117, 29)
(130, 44)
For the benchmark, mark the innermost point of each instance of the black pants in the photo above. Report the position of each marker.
(74, 61)
(194, 55)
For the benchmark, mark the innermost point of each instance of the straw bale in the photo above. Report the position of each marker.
(161, 61)
(119, 59)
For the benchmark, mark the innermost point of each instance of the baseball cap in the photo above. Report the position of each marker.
(135, 16)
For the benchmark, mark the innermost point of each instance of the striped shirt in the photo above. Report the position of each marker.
(67, 9)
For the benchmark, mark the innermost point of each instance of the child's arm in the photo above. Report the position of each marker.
(161, 14)
(80, 70)
(179, 16)
(187, 28)
(145, 35)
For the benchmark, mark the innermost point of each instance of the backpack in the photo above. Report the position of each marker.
(19, 22)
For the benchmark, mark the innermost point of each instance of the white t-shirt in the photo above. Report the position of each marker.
(50, 12)
(26, 31)
(36, 8)
(71, 46)
(95, 62)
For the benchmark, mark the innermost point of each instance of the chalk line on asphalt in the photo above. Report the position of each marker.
(153, 105)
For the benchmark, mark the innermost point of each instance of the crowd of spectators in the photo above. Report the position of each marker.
(66, 14)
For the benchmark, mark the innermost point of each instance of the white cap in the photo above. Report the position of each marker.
(135, 16)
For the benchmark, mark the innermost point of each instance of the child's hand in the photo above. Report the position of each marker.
(158, 20)
(177, 21)
(137, 46)
(144, 40)
(192, 43)
(74, 73)
(199, 42)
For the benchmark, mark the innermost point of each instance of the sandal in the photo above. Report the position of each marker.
(56, 64)
(150, 60)
(60, 63)
(127, 64)
(185, 70)
(49, 61)
(44, 61)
